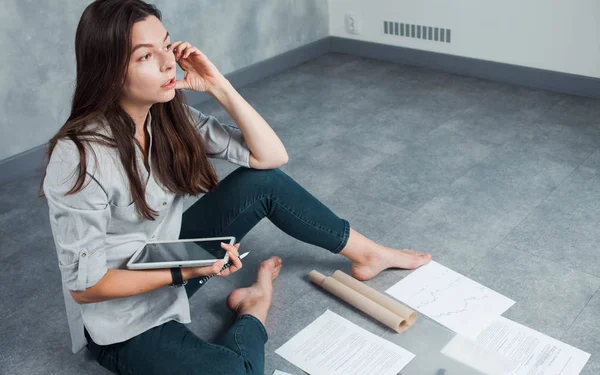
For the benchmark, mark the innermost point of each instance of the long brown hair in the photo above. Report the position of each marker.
(102, 50)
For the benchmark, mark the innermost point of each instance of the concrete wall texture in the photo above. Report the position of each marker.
(38, 59)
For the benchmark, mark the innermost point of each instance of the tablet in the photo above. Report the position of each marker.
(190, 252)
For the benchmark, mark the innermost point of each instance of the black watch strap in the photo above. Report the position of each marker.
(177, 278)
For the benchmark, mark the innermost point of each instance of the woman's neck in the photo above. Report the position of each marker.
(139, 115)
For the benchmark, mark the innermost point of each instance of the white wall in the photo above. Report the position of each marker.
(557, 35)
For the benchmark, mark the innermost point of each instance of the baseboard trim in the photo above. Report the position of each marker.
(34, 159)
(520, 75)
(22, 164)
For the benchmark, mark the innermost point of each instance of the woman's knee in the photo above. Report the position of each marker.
(233, 362)
(260, 176)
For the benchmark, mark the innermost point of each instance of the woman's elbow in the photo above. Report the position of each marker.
(78, 296)
(90, 295)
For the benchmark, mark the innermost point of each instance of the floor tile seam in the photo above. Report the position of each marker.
(442, 123)
(554, 262)
(356, 179)
(419, 138)
(558, 100)
(306, 152)
(282, 308)
(444, 188)
(441, 190)
(454, 115)
(497, 146)
(274, 307)
(9, 315)
(588, 158)
(529, 214)
(571, 269)
(384, 156)
(580, 312)
(337, 137)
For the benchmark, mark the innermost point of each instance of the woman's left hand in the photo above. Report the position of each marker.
(200, 73)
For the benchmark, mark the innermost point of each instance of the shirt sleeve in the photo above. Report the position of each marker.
(78, 221)
(222, 141)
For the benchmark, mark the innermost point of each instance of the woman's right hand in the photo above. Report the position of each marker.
(232, 250)
(200, 271)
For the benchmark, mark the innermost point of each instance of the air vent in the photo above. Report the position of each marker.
(407, 30)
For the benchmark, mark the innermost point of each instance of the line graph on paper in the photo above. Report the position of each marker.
(450, 298)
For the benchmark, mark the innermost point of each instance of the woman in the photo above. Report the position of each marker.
(117, 173)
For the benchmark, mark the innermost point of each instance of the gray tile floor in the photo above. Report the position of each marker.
(499, 182)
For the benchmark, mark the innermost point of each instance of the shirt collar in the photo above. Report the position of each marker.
(149, 122)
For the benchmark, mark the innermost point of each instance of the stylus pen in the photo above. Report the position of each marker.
(226, 266)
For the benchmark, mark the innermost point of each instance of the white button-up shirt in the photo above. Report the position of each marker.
(98, 228)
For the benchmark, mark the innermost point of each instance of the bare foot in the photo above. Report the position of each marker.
(256, 299)
(370, 258)
(386, 257)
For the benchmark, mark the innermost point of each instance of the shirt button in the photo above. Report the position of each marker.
(153, 236)
(164, 203)
(83, 254)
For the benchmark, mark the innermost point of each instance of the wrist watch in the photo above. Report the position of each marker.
(177, 277)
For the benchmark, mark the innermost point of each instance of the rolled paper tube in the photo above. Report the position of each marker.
(389, 303)
(364, 304)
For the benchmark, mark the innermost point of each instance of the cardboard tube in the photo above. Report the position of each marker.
(389, 303)
(361, 302)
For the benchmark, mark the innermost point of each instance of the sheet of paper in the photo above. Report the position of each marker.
(468, 352)
(451, 299)
(277, 372)
(523, 351)
(332, 345)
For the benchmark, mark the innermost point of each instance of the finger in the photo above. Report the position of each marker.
(182, 83)
(180, 48)
(234, 258)
(236, 263)
(183, 49)
(223, 273)
(189, 51)
(227, 272)
(175, 46)
(229, 247)
(216, 267)
(231, 255)
(209, 270)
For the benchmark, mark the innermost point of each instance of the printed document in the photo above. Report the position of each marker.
(332, 345)
(522, 350)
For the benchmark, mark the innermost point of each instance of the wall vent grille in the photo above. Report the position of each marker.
(406, 30)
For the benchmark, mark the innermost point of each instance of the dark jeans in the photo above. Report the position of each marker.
(242, 199)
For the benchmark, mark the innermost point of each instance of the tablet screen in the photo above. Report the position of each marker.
(181, 251)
